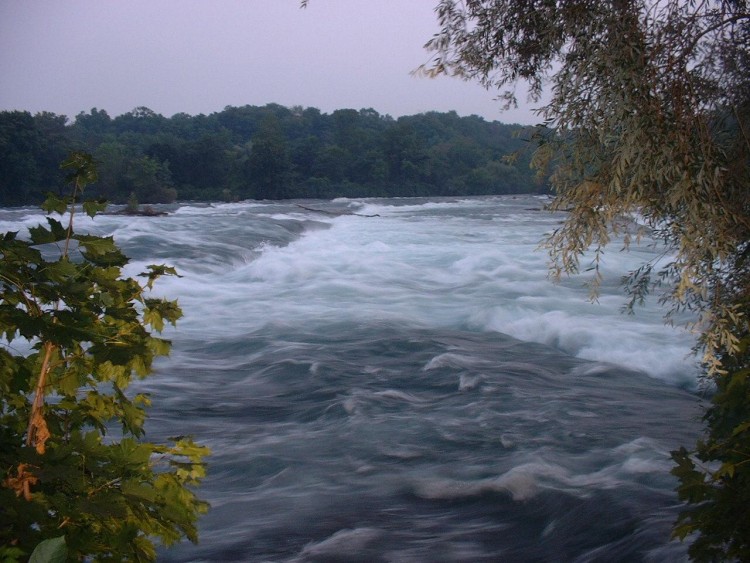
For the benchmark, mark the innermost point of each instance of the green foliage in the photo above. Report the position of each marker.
(271, 152)
(132, 206)
(50, 551)
(30, 149)
(715, 479)
(71, 457)
(649, 115)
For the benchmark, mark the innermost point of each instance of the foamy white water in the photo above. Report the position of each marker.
(399, 380)
(470, 264)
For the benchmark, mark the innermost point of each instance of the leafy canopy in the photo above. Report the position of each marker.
(76, 476)
(646, 112)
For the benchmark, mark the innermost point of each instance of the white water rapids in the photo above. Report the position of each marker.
(399, 380)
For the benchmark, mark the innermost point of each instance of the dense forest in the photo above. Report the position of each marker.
(268, 152)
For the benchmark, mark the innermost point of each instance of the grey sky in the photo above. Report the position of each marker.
(198, 56)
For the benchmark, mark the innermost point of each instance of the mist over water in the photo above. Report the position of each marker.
(398, 380)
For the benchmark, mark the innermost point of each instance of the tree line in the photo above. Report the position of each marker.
(268, 152)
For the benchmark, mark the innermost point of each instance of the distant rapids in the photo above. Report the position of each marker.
(397, 380)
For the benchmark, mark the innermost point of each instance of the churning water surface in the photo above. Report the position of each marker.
(398, 380)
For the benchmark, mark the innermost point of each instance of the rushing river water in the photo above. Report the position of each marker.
(398, 380)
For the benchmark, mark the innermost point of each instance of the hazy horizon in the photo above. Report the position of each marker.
(197, 58)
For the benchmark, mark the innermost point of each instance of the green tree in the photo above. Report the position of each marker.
(53, 150)
(204, 162)
(266, 152)
(19, 173)
(141, 120)
(72, 462)
(114, 160)
(268, 166)
(403, 151)
(91, 128)
(31, 149)
(151, 181)
(649, 113)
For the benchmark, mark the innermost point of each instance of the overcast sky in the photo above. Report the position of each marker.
(198, 56)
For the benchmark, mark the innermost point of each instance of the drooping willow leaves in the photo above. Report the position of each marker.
(645, 111)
